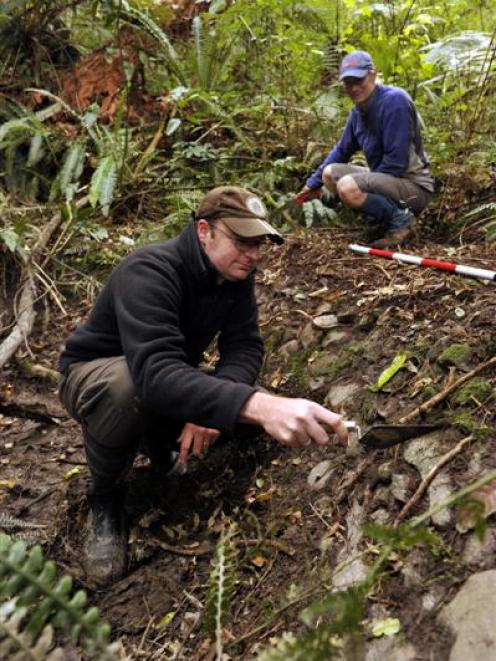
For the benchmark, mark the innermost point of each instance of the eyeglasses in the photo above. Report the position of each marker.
(241, 242)
(354, 82)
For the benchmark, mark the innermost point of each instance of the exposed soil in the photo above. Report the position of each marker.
(289, 536)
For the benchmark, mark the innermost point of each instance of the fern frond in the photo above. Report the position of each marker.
(16, 645)
(36, 151)
(72, 167)
(19, 129)
(222, 584)
(32, 599)
(103, 184)
(7, 521)
(133, 15)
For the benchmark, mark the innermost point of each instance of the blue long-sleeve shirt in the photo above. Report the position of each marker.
(387, 131)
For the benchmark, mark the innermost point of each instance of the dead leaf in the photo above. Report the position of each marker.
(480, 505)
(71, 473)
(258, 561)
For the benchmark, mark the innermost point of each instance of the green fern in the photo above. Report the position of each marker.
(222, 584)
(212, 54)
(103, 184)
(33, 602)
(69, 173)
(135, 16)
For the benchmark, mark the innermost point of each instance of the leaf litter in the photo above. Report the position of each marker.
(386, 313)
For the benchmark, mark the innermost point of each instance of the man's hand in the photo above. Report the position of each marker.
(306, 194)
(293, 422)
(195, 440)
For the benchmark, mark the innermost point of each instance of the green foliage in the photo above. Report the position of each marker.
(474, 391)
(34, 602)
(222, 585)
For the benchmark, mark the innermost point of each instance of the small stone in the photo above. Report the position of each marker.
(289, 348)
(341, 394)
(334, 337)
(382, 496)
(326, 321)
(470, 616)
(480, 553)
(385, 471)
(308, 336)
(380, 516)
(401, 486)
(322, 364)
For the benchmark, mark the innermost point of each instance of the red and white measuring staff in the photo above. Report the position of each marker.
(471, 271)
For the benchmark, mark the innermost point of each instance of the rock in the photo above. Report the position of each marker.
(353, 569)
(382, 496)
(334, 337)
(353, 572)
(391, 649)
(470, 616)
(341, 394)
(385, 471)
(479, 553)
(431, 600)
(322, 364)
(315, 384)
(380, 516)
(308, 335)
(415, 567)
(401, 487)
(424, 453)
(320, 475)
(325, 322)
(289, 348)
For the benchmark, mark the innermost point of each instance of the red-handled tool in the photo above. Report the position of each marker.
(299, 199)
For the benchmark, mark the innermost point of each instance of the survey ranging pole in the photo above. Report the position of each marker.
(483, 274)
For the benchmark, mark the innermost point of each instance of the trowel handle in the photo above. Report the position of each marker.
(353, 426)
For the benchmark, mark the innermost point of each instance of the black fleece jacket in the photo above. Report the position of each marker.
(161, 308)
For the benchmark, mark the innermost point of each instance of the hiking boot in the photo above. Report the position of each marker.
(393, 238)
(373, 231)
(105, 550)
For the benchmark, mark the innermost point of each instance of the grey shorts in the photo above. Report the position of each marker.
(399, 189)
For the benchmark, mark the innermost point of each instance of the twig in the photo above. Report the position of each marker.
(441, 396)
(422, 488)
(26, 315)
(354, 477)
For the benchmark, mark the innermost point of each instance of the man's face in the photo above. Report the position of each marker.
(234, 257)
(359, 89)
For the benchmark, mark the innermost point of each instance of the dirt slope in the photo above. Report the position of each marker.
(290, 538)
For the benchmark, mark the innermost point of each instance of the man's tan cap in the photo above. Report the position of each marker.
(243, 212)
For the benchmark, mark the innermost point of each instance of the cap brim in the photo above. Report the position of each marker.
(252, 227)
(354, 73)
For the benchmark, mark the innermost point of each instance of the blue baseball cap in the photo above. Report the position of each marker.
(356, 65)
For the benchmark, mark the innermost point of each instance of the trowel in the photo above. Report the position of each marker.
(385, 436)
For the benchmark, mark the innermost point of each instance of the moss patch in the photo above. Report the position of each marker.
(475, 390)
(455, 354)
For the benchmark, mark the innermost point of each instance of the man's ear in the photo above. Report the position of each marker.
(202, 227)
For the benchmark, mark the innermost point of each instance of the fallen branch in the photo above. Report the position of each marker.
(25, 313)
(423, 486)
(441, 396)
